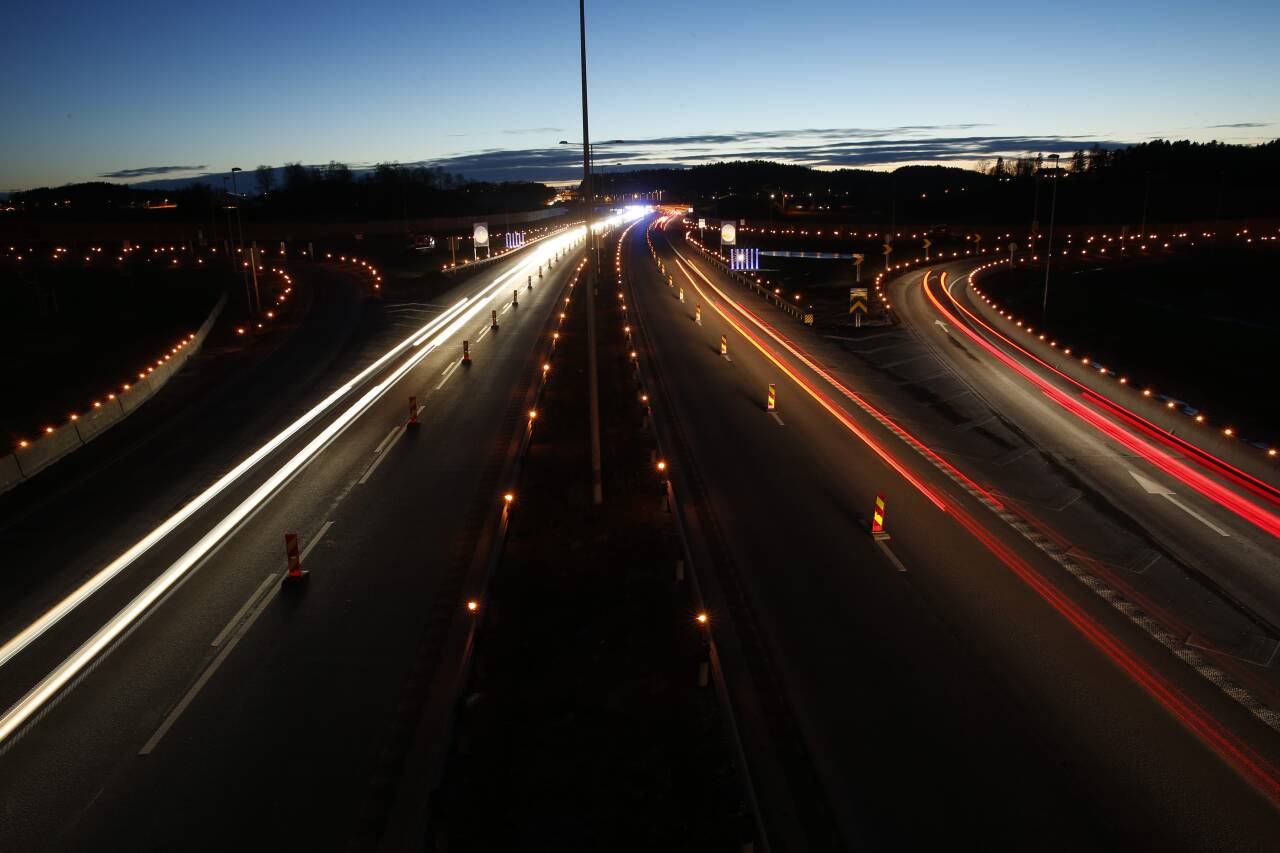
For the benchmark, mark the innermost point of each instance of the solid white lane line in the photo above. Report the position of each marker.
(190, 695)
(448, 371)
(384, 441)
(893, 558)
(483, 332)
(505, 308)
(395, 436)
(235, 620)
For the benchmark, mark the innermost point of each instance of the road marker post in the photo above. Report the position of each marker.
(515, 299)
(466, 352)
(670, 281)
(413, 411)
(771, 399)
(493, 320)
(294, 572)
(724, 344)
(877, 521)
(539, 270)
(682, 294)
(697, 314)
(531, 282)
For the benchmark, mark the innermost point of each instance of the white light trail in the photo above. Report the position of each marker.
(433, 335)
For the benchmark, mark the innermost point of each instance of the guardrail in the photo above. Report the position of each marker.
(57, 443)
(746, 281)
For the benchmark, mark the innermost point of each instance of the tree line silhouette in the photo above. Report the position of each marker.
(1159, 181)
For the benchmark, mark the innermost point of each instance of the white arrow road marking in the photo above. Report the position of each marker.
(1153, 488)
(940, 323)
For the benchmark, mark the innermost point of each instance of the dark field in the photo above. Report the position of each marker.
(1199, 325)
(71, 334)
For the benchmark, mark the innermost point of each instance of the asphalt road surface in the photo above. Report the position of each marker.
(954, 686)
(232, 713)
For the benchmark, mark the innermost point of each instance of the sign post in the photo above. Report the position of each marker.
(857, 304)
(858, 258)
(479, 237)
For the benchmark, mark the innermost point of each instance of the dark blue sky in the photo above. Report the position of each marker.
(144, 89)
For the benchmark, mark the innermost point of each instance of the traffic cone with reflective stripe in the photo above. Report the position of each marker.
(877, 520)
(294, 572)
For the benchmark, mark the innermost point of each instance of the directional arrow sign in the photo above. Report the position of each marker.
(927, 242)
(1151, 487)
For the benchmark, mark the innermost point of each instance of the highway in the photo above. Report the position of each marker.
(959, 684)
(164, 688)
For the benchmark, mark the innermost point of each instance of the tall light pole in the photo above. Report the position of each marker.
(593, 384)
(1048, 261)
(590, 153)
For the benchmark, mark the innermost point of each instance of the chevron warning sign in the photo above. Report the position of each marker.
(857, 300)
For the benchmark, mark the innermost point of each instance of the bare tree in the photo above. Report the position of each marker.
(265, 176)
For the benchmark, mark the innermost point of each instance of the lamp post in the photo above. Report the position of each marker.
(593, 385)
(1048, 261)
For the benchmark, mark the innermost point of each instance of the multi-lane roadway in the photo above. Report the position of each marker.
(165, 690)
(961, 683)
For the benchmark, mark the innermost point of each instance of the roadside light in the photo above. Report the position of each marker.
(1228, 431)
(48, 430)
(473, 605)
(644, 398)
(1199, 419)
(702, 618)
(533, 414)
(508, 498)
(662, 466)
(25, 443)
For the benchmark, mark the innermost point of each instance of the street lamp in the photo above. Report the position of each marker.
(1048, 263)
(589, 199)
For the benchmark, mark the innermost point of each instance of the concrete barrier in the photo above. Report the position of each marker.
(26, 462)
(139, 392)
(51, 447)
(94, 421)
(10, 473)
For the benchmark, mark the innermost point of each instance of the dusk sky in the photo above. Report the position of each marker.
(169, 90)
